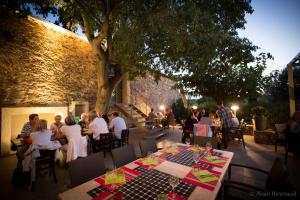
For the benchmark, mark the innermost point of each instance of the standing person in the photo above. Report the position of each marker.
(29, 127)
(97, 125)
(225, 116)
(55, 127)
(235, 121)
(117, 124)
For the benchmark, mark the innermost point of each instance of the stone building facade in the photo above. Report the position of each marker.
(44, 65)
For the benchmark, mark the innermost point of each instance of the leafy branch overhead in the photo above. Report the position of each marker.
(194, 41)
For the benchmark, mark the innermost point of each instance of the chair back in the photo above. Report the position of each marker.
(123, 155)
(147, 146)
(105, 139)
(277, 178)
(201, 141)
(125, 136)
(87, 168)
(280, 128)
(202, 130)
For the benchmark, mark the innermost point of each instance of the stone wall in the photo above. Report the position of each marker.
(146, 93)
(43, 64)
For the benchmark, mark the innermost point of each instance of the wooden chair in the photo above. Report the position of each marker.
(280, 137)
(276, 181)
(45, 162)
(124, 139)
(148, 145)
(87, 168)
(187, 131)
(94, 144)
(123, 155)
(238, 133)
(201, 141)
(105, 142)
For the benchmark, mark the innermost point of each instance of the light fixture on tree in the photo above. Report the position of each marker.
(104, 44)
(162, 107)
(194, 107)
(234, 108)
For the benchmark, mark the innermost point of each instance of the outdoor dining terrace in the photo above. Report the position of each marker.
(253, 155)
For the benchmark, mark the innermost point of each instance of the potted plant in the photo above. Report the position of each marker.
(259, 117)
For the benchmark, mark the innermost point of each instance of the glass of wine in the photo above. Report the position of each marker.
(188, 141)
(208, 146)
(173, 181)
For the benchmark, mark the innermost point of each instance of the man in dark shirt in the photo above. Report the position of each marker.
(225, 115)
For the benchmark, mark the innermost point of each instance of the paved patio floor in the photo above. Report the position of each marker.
(256, 155)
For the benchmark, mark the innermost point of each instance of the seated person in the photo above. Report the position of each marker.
(84, 121)
(55, 127)
(104, 116)
(205, 119)
(42, 135)
(293, 134)
(190, 121)
(188, 126)
(117, 124)
(152, 117)
(97, 125)
(77, 145)
(29, 127)
(235, 121)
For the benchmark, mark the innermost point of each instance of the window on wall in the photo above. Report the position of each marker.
(78, 107)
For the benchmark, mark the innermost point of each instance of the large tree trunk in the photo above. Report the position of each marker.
(106, 85)
(104, 91)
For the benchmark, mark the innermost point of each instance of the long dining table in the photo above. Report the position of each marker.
(147, 180)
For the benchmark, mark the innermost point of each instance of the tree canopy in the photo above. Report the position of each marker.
(194, 41)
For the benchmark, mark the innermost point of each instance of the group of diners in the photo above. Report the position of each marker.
(223, 116)
(36, 132)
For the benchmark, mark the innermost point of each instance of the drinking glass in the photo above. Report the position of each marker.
(208, 146)
(173, 181)
(188, 141)
(196, 157)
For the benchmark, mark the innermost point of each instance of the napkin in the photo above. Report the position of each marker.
(214, 159)
(115, 177)
(150, 161)
(204, 176)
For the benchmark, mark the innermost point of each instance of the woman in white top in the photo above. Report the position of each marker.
(97, 125)
(77, 145)
(205, 119)
(42, 136)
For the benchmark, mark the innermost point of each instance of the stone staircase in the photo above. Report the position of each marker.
(138, 117)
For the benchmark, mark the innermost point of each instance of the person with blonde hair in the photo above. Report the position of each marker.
(97, 125)
(42, 135)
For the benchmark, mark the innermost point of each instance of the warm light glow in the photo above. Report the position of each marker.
(162, 107)
(194, 107)
(234, 108)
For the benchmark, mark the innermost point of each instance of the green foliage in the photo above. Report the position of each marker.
(179, 110)
(208, 103)
(195, 42)
(258, 111)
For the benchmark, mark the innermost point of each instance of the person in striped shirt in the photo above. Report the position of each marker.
(225, 115)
